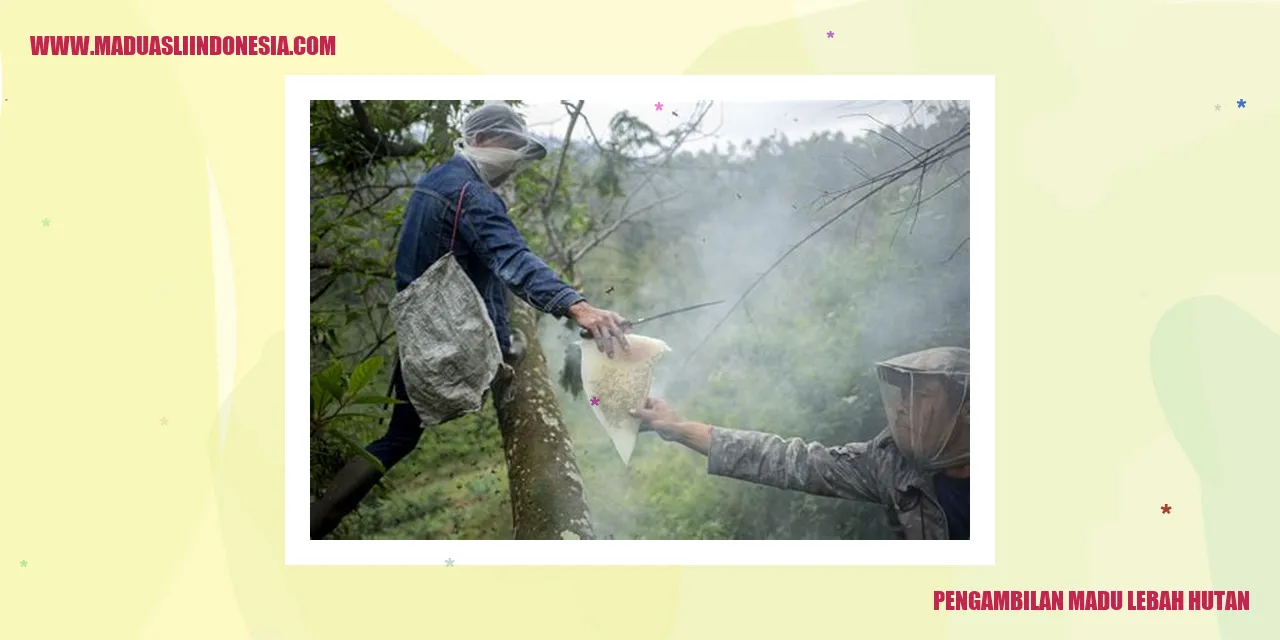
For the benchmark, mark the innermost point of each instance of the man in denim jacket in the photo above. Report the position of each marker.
(454, 208)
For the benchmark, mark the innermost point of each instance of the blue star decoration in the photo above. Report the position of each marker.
(1240, 103)
(448, 562)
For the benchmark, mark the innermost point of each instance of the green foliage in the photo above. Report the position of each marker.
(794, 360)
(334, 393)
(629, 135)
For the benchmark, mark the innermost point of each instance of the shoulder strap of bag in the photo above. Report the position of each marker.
(457, 216)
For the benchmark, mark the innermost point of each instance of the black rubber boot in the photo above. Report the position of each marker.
(349, 487)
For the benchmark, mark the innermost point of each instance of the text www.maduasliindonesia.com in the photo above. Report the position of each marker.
(183, 46)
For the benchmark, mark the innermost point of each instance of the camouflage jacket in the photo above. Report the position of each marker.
(866, 471)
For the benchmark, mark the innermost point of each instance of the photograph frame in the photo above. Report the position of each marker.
(978, 91)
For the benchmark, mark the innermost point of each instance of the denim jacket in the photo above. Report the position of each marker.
(865, 471)
(488, 245)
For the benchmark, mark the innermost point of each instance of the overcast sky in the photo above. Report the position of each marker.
(737, 122)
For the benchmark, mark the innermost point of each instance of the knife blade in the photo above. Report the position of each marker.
(631, 323)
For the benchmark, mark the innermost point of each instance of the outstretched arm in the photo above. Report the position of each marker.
(847, 471)
(792, 463)
(493, 237)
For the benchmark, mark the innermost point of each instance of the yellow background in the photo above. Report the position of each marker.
(1122, 195)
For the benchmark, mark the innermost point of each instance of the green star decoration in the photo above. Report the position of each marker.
(23, 563)
(46, 222)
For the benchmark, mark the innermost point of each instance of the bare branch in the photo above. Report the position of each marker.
(571, 109)
(936, 153)
(958, 247)
(916, 200)
(550, 199)
(608, 231)
(571, 257)
(861, 172)
(882, 124)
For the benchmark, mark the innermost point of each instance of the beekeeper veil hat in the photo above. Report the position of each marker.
(926, 398)
(496, 142)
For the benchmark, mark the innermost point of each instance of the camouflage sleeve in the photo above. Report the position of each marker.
(846, 471)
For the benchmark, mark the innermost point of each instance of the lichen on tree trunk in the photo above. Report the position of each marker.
(547, 499)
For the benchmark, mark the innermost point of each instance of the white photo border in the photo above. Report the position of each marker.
(979, 91)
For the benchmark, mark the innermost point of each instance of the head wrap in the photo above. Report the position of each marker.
(496, 142)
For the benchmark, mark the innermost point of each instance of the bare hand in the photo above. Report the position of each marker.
(658, 416)
(602, 325)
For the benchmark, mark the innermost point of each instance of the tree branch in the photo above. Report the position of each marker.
(322, 230)
(316, 296)
(568, 107)
(339, 269)
(550, 200)
(936, 153)
(958, 248)
(361, 188)
(574, 257)
(383, 147)
(882, 124)
(608, 231)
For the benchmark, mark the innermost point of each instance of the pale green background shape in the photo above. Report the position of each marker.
(1215, 371)
(1122, 198)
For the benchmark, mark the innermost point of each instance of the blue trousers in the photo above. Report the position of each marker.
(404, 431)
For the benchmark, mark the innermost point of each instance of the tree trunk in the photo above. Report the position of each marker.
(547, 500)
